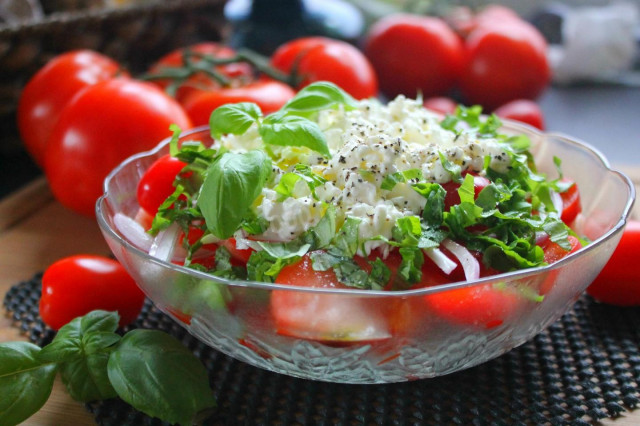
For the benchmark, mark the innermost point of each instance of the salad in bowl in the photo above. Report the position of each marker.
(362, 242)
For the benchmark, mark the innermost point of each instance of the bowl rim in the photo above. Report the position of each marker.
(508, 276)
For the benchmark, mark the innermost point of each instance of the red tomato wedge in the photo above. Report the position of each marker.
(570, 204)
(484, 306)
(324, 317)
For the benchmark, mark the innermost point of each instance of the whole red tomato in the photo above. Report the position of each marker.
(619, 281)
(414, 54)
(99, 128)
(49, 90)
(77, 285)
(504, 61)
(323, 59)
(463, 20)
(522, 110)
(269, 95)
(199, 80)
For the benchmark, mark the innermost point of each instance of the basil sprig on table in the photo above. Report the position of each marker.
(148, 369)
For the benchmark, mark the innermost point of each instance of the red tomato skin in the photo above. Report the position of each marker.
(157, 183)
(503, 62)
(76, 285)
(453, 198)
(482, 306)
(286, 57)
(200, 81)
(270, 96)
(51, 88)
(325, 59)
(522, 110)
(553, 252)
(102, 126)
(619, 281)
(239, 255)
(441, 104)
(571, 206)
(414, 54)
(325, 317)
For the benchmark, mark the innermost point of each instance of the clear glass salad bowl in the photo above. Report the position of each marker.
(394, 336)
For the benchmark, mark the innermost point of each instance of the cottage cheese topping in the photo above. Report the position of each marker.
(367, 144)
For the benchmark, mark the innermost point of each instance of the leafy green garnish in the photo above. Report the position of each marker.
(144, 368)
(232, 184)
(291, 125)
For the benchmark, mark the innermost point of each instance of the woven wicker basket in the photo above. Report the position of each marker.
(134, 35)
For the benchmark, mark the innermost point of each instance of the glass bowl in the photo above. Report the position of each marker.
(388, 336)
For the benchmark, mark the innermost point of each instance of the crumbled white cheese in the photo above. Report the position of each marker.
(367, 144)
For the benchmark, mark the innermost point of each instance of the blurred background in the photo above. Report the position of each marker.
(592, 50)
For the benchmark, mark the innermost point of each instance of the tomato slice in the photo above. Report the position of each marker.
(240, 255)
(325, 317)
(484, 306)
(553, 253)
(570, 203)
(452, 197)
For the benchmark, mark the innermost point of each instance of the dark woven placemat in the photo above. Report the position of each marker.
(583, 368)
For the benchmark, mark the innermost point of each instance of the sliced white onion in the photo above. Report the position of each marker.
(556, 200)
(468, 261)
(164, 244)
(132, 231)
(441, 260)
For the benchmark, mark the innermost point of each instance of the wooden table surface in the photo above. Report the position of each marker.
(35, 231)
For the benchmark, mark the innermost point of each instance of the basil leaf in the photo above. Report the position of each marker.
(321, 235)
(233, 118)
(68, 342)
(291, 130)
(156, 374)
(391, 180)
(264, 267)
(82, 348)
(319, 96)
(25, 382)
(346, 241)
(466, 191)
(454, 170)
(410, 269)
(434, 207)
(86, 376)
(232, 184)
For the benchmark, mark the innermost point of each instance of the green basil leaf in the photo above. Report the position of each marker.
(25, 382)
(265, 268)
(68, 343)
(232, 184)
(319, 96)
(410, 269)
(82, 348)
(156, 374)
(86, 376)
(466, 191)
(321, 235)
(288, 130)
(391, 180)
(557, 231)
(347, 240)
(455, 171)
(233, 118)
